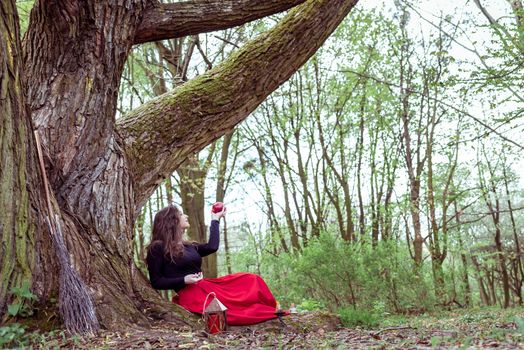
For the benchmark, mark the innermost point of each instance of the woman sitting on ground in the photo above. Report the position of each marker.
(175, 263)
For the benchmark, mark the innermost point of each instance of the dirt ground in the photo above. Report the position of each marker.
(316, 330)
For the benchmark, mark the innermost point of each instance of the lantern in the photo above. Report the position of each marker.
(214, 315)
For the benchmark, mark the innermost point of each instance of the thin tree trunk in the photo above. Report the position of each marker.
(412, 158)
(494, 211)
(490, 276)
(192, 185)
(484, 296)
(414, 182)
(348, 229)
(502, 264)
(436, 251)
(360, 147)
(274, 225)
(279, 149)
(375, 190)
(169, 190)
(519, 273)
(331, 190)
(221, 192)
(308, 201)
(390, 175)
(465, 277)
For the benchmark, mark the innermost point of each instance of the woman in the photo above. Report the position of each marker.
(175, 263)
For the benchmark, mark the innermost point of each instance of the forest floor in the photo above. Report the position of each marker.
(461, 329)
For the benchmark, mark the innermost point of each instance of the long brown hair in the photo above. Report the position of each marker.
(166, 231)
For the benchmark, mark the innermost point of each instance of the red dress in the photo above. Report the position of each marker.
(246, 296)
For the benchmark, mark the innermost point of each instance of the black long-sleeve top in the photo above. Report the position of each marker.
(167, 274)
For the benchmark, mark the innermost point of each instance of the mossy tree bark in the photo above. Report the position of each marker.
(15, 266)
(21, 231)
(102, 171)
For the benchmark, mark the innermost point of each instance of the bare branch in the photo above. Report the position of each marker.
(486, 14)
(203, 54)
(226, 41)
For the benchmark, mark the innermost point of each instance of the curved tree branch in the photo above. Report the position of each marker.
(159, 135)
(166, 21)
(486, 14)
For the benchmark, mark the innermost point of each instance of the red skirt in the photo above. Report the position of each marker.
(246, 296)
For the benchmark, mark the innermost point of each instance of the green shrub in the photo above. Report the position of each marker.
(23, 306)
(351, 317)
(12, 336)
(310, 305)
(336, 274)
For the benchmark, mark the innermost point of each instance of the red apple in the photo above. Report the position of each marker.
(217, 207)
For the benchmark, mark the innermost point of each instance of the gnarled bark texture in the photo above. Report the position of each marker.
(21, 234)
(102, 171)
(14, 264)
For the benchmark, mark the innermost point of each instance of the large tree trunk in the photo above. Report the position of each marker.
(25, 249)
(15, 231)
(102, 172)
(75, 54)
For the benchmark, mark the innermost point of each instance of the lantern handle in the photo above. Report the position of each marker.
(205, 301)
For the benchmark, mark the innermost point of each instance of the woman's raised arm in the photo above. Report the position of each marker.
(214, 239)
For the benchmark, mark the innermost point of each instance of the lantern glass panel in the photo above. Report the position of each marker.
(216, 322)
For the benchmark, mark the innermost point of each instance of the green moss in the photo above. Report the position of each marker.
(18, 238)
(89, 85)
(10, 50)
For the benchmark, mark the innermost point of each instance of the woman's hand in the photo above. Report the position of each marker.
(218, 215)
(193, 278)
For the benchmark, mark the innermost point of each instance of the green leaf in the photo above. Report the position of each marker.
(13, 309)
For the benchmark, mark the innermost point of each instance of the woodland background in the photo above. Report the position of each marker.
(385, 175)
